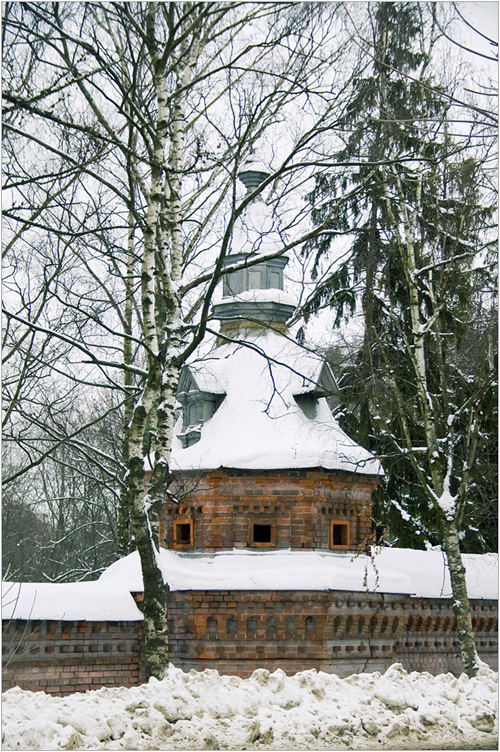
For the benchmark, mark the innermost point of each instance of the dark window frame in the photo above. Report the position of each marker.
(262, 523)
(182, 543)
(345, 534)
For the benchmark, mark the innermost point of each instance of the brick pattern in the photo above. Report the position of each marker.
(65, 657)
(299, 503)
(236, 632)
(332, 631)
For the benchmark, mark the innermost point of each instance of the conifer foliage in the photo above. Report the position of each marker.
(417, 391)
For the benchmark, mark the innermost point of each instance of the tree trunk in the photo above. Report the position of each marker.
(156, 648)
(461, 607)
(123, 532)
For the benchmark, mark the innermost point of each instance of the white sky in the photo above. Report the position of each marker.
(484, 17)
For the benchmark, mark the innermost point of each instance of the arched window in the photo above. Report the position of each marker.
(291, 626)
(271, 626)
(310, 625)
(231, 626)
(251, 626)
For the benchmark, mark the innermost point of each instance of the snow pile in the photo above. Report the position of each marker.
(310, 710)
(259, 424)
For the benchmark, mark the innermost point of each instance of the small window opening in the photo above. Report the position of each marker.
(291, 626)
(310, 625)
(183, 534)
(339, 534)
(271, 626)
(262, 533)
(251, 626)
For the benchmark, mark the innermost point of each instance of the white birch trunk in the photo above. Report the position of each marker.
(439, 479)
(161, 274)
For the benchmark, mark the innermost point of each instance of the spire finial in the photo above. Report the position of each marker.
(253, 172)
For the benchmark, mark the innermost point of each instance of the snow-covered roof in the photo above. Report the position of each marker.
(102, 600)
(259, 424)
(389, 570)
(255, 230)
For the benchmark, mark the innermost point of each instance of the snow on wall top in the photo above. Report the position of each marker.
(403, 571)
(103, 600)
(399, 570)
(259, 425)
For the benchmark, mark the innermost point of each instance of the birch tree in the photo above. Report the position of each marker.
(125, 126)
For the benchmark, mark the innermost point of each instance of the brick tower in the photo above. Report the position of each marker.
(259, 462)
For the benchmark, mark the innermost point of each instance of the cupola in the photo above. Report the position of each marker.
(253, 295)
(253, 173)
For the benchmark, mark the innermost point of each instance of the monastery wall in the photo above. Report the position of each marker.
(298, 505)
(61, 657)
(236, 632)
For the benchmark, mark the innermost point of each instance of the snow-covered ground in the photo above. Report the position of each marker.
(309, 711)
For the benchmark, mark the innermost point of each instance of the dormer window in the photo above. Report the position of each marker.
(325, 386)
(198, 406)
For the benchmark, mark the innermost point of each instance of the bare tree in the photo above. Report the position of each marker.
(125, 127)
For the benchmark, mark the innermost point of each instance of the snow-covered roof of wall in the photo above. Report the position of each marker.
(399, 570)
(102, 600)
(259, 425)
(389, 570)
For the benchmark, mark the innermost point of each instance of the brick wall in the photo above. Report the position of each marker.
(333, 631)
(299, 503)
(236, 632)
(65, 657)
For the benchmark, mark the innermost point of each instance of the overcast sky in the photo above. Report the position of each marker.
(484, 17)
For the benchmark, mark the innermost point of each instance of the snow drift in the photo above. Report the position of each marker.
(311, 710)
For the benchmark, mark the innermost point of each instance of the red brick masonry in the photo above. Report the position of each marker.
(238, 631)
(223, 505)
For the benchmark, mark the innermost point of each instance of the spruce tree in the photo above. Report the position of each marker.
(418, 223)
